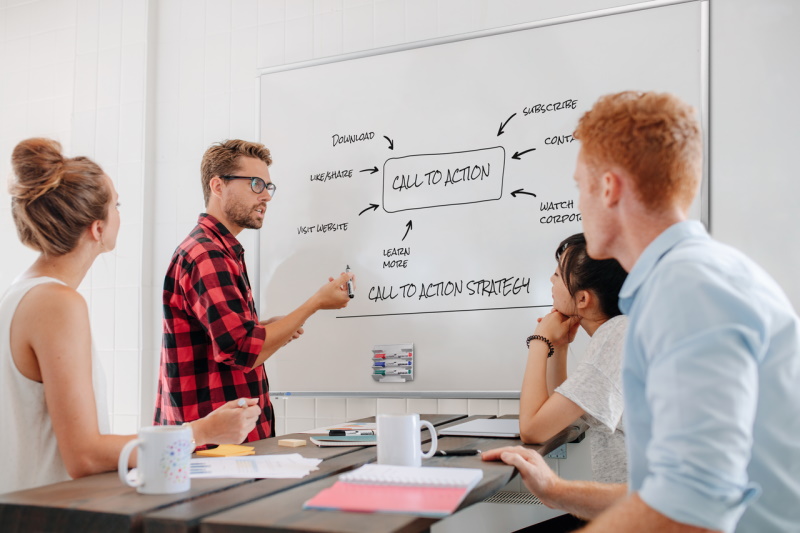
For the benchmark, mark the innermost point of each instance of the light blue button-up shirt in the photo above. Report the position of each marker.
(711, 379)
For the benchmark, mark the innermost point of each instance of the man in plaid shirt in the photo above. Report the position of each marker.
(214, 346)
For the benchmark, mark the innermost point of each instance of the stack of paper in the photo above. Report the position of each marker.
(345, 440)
(284, 466)
(426, 491)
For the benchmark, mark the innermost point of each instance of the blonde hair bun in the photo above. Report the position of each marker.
(38, 165)
(55, 198)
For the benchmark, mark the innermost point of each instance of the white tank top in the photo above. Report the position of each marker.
(30, 450)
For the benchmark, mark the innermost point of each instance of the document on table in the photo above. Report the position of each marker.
(283, 466)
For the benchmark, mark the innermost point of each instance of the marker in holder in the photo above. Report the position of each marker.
(392, 372)
(393, 363)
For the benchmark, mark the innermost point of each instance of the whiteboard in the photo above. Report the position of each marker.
(394, 164)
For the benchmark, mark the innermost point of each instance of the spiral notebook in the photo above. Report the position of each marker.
(425, 491)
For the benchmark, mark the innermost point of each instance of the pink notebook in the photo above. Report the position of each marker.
(425, 491)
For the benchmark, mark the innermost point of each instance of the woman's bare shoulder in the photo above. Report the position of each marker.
(56, 301)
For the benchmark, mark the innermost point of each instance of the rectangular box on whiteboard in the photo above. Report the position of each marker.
(435, 180)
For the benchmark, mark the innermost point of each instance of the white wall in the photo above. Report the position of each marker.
(754, 133)
(74, 71)
(144, 87)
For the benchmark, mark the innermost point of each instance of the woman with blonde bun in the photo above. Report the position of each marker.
(54, 416)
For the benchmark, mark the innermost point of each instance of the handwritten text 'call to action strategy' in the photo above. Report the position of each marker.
(432, 180)
(510, 286)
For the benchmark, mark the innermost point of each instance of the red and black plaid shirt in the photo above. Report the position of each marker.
(212, 336)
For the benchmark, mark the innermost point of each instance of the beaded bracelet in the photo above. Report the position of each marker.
(543, 339)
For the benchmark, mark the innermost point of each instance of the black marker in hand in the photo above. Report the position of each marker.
(350, 292)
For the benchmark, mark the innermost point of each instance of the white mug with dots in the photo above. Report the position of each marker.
(163, 460)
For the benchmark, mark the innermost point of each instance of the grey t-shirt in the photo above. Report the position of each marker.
(596, 386)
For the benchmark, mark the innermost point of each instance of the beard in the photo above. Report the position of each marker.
(244, 216)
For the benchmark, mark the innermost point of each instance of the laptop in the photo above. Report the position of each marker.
(484, 427)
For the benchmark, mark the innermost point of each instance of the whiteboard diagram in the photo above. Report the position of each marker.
(442, 175)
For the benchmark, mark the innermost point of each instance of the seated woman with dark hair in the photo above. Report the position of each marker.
(585, 294)
(54, 415)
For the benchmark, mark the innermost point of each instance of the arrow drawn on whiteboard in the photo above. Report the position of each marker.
(408, 228)
(520, 191)
(503, 125)
(372, 170)
(517, 154)
(374, 207)
(391, 142)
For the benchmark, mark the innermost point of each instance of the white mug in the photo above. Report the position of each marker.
(399, 440)
(163, 461)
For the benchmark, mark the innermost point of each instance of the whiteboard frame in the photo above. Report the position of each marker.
(705, 189)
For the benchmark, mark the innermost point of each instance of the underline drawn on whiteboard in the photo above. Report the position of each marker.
(449, 311)
(503, 125)
(409, 226)
(521, 191)
(391, 142)
(372, 170)
(517, 154)
(374, 207)
(436, 180)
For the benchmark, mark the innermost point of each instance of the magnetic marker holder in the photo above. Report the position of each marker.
(393, 363)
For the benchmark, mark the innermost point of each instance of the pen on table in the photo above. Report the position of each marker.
(442, 453)
(350, 292)
(347, 432)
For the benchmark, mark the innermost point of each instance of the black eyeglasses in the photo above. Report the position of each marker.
(257, 185)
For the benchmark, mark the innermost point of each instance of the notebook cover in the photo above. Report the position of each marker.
(363, 498)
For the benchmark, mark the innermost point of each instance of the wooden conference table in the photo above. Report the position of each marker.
(101, 503)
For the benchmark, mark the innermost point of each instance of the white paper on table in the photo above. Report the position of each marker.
(348, 426)
(283, 466)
